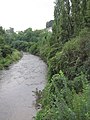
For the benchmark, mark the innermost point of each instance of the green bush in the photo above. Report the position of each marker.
(61, 103)
(33, 49)
(74, 57)
(9, 59)
(5, 50)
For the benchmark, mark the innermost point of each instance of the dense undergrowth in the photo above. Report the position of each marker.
(67, 53)
(67, 93)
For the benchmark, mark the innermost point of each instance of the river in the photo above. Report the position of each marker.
(17, 99)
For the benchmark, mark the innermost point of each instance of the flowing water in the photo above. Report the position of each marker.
(17, 99)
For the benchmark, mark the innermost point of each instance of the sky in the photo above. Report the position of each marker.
(22, 14)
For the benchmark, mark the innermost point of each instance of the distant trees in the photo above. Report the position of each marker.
(24, 40)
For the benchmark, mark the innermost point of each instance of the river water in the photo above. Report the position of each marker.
(17, 99)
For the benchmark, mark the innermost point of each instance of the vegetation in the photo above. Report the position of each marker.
(67, 53)
(7, 53)
(66, 95)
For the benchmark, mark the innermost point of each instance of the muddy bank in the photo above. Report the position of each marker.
(17, 101)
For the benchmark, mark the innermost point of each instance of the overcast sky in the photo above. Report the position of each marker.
(22, 14)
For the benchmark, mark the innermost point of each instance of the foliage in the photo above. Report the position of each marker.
(33, 48)
(7, 53)
(67, 53)
(74, 57)
(66, 96)
(60, 103)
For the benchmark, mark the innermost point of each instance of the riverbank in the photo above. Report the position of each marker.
(9, 59)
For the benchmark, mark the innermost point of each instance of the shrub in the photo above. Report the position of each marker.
(74, 57)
